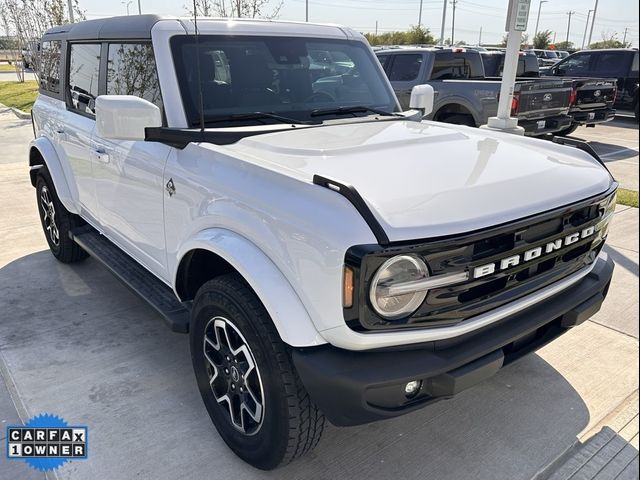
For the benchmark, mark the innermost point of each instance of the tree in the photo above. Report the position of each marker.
(565, 46)
(414, 36)
(542, 39)
(524, 41)
(27, 20)
(235, 8)
(609, 40)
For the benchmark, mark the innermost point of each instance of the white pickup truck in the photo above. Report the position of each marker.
(329, 255)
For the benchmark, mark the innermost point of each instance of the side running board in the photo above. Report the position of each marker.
(136, 277)
(350, 193)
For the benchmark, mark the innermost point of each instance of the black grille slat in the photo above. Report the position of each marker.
(451, 255)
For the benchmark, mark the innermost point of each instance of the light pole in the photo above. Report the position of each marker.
(306, 11)
(420, 15)
(593, 22)
(624, 40)
(70, 5)
(584, 37)
(453, 22)
(127, 4)
(444, 18)
(538, 19)
(139, 8)
(570, 12)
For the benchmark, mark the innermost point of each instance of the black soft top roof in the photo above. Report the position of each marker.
(114, 28)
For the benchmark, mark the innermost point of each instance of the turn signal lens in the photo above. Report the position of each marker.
(347, 287)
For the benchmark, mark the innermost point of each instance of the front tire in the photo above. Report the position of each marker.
(246, 377)
(57, 221)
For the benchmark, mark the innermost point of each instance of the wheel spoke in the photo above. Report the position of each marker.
(216, 346)
(257, 411)
(215, 367)
(239, 386)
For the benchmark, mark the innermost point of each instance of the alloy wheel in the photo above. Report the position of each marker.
(49, 215)
(234, 376)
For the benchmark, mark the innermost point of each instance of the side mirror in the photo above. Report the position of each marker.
(422, 99)
(124, 117)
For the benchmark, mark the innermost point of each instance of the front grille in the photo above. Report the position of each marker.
(456, 303)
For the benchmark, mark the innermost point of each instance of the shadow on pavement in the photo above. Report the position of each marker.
(78, 344)
(622, 260)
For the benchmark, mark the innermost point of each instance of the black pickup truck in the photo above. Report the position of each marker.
(620, 64)
(465, 96)
(592, 99)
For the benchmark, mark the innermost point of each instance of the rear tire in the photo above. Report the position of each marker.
(459, 119)
(57, 221)
(567, 131)
(231, 331)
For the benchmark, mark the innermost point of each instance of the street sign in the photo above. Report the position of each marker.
(522, 15)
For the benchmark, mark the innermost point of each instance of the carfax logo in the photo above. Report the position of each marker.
(46, 442)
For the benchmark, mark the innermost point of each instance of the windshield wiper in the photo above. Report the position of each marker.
(237, 117)
(352, 110)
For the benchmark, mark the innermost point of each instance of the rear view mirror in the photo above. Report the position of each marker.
(422, 99)
(124, 117)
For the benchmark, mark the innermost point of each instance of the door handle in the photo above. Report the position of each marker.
(100, 154)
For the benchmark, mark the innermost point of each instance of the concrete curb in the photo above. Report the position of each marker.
(17, 112)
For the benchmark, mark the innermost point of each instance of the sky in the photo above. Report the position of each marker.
(613, 16)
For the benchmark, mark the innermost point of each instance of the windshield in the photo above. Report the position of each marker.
(288, 76)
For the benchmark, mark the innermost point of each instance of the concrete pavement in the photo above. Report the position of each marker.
(617, 144)
(75, 342)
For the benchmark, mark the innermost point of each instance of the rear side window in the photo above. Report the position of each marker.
(84, 66)
(50, 66)
(611, 63)
(131, 70)
(634, 65)
(528, 66)
(384, 61)
(577, 64)
(448, 66)
(405, 68)
(492, 64)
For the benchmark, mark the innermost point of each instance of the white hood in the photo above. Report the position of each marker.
(429, 179)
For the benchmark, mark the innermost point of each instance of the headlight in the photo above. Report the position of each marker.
(399, 270)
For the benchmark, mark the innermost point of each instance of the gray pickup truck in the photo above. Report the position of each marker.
(464, 96)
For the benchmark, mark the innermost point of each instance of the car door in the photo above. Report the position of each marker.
(73, 134)
(577, 65)
(616, 64)
(129, 174)
(404, 71)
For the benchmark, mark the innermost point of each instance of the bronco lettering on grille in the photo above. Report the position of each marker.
(533, 253)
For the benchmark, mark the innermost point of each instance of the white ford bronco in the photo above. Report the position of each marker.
(329, 255)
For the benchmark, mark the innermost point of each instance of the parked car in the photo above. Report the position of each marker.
(30, 54)
(591, 100)
(327, 253)
(619, 63)
(562, 54)
(465, 96)
(546, 58)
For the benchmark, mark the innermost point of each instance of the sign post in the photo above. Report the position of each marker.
(517, 19)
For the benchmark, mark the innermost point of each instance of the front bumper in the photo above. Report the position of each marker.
(353, 388)
(542, 126)
(592, 117)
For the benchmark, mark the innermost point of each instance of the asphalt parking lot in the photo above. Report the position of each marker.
(76, 343)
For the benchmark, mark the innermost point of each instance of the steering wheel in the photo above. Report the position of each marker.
(319, 97)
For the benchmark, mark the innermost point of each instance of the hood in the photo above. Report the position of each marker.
(424, 180)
